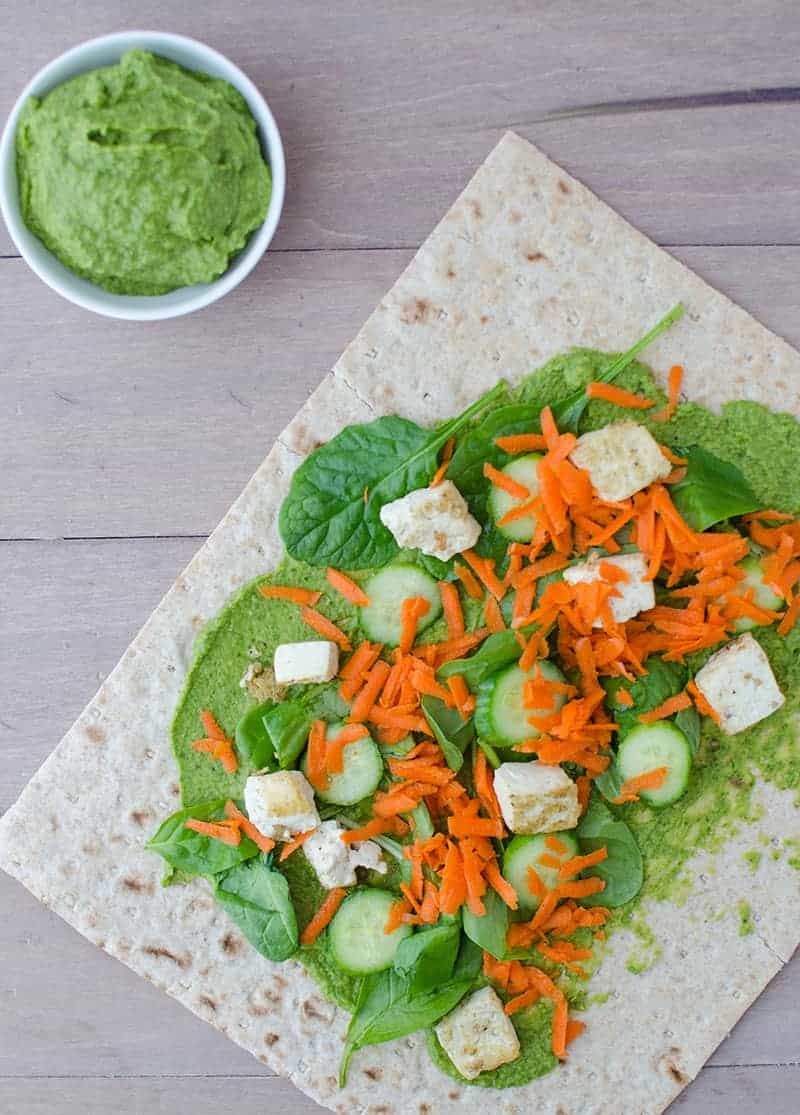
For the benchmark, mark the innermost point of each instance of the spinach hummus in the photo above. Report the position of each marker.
(142, 177)
(521, 740)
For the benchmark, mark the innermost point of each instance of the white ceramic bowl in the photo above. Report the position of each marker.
(105, 51)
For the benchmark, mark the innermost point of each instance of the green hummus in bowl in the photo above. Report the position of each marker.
(142, 175)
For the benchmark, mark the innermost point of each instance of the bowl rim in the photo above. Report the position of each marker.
(82, 292)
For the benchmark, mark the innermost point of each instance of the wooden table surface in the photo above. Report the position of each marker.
(122, 444)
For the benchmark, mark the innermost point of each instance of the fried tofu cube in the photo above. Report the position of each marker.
(477, 1036)
(306, 663)
(634, 595)
(436, 521)
(621, 459)
(281, 804)
(536, 797)
(739, 684)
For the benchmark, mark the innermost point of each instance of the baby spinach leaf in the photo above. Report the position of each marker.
(688, 720)
(489, 931)
(287, 726)
(423, 825)
(492, 757)
(711, 490)
(325, 520)
(257, 898)
(623, 871)
(452, 733)
(609, 783)
(662, 680)
(192, 852)
(386, 1009)
(427, 958)
(479, 446)
(499, 650)
(254, 743)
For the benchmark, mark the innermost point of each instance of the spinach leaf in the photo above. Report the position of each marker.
(492, 757)
(386, 1009)
(324, 519)
(499, 650)
(254, 743)
(452, 733)
(478, 446)
(423, 825)
(287, 726)
(662, 680)
(193, 853)
(257, 898)
(623, 871)
(609, 783)
(688, 720)
(489, 931)
(711, 490)
(427, 958)
(569, 411)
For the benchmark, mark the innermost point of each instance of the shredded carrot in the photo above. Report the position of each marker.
(577, 864)
(376, 679)
(292, 845)
(492, 615)
(217, 744)
(503, 481)
(447, 456)
(701, 704)
(468, 580)
(484, 785)
(666, 708)
(397, 914)
(500, 885)
(411, 612)
(334, 755)
(535, 884)
(673, 394)
(519, 1002)
(451, 604)
(453, 888)
(574, 1029)
(317, 752)
(581, 889)
(650, 780)
(355, 670)
(623, 697)
(462, 698)
(375, 827)
(224, 831)
(347, 587)
(618, 396)
(555, 844)
(264, 843)
(790, 618)
(475, 826)
(483, 568)
(520, 443)
(324, 627)
(388, 718)
(293, 595)
(323, 915)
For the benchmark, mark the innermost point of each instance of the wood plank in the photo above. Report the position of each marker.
(715, 1092)
(49, 666)
(116, 429)
(386, 114)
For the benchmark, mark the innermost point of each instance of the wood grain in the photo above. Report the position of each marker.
(122, 429)
(388, 108)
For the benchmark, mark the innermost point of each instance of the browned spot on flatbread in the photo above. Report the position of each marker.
(256, 1012)
(475, 206)
(160, 953)
(138, 886)
(373, 1074)
(668, 1063)
(90, 848)
(484, 319)
(417, 311)
(454, 1095)
(535, 257)
(311, 1009)
(451, 272)
(207, 1002)
(197, 622)
(175, 789)
(271, 1039)
(231, 944)
(563, 186)
(139, 816)
(514, 217)
(95, 734)
(424, 1109)
(382, 1110)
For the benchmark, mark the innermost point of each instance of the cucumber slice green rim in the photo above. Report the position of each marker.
(501, 717)
(363, 770)
(357, 934)
(763, 596)
(523, 852)
(524, 471)
(651, 746)
(387, 589)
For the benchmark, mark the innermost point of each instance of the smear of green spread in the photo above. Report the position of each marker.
(766, 447)
(143, 176)
(746, 923)
(753, 860)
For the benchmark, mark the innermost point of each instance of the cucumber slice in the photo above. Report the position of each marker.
(763, 596)
(357, 937)
(363, 770)
(651, 746)
(523, 470)
(523, 852)
(500, 714)
(387, 590)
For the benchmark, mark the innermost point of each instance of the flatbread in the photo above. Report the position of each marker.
(526, 264)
